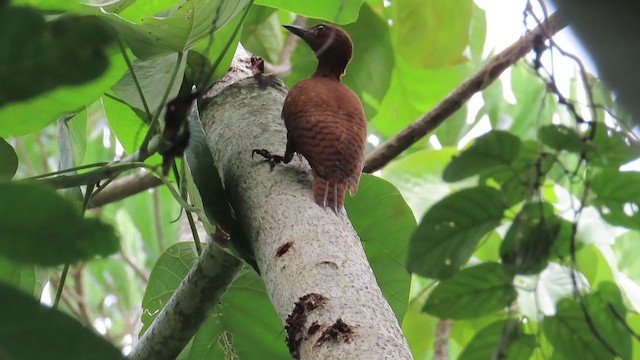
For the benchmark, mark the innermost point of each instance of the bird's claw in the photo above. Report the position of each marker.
(268, 157)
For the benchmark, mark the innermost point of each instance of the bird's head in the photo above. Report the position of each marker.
(331, 45)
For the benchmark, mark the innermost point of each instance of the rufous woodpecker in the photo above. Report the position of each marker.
(324, 119)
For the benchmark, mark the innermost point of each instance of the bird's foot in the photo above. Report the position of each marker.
(268, 157)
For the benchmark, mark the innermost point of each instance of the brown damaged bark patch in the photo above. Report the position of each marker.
(315, 326)
(338, 332)
(298, 317)
(284, 248)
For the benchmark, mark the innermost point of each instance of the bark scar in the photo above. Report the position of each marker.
(298, 317)
(338, 332)
(284, 248)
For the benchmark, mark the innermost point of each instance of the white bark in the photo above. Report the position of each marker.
(325, 257)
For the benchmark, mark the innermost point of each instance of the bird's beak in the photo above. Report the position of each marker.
(297, 30)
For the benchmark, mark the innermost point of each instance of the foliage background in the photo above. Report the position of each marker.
(491, 229)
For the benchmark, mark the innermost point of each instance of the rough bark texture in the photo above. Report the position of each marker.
(310, 259)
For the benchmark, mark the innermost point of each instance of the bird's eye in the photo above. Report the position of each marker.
(320, 28)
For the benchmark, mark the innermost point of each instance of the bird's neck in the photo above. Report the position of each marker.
(331, 67)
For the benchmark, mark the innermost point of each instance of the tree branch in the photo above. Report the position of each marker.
(311, 259)
(460, 95)
(125, 187)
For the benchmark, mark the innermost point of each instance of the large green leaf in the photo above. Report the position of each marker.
(262, 34)
(472, 292)
(27, 116)
(528, 242)
(450, 231)
(335, 11)
(369, 73)
(56, 234)
(244, 324)
(384, 223)
(154, 77)
(570, 334)
(418, 176)
(47, 4)
(561, 137)
(8, 160)
(613, 148)
(27, 278)
(36, 56)
(618, 197)
(444, 23)
(167, 273)
(408, 97)
(503, 339)
(494, 149)
(179, 31)
(244, 319)
(25, 322)
(534, 106)
(606, 308)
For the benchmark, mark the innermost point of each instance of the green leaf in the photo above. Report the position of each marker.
(524, 175)
(167, 273)
(613, 148)
(528, 242)
(42, 56)
(418, 176)
(262, 34)
(406, 98)
(570, 335)
(601, 305)
(618, 197)
(534, 107)
(478, 33)
(47, 4)
(22, 326)
(244, 324)
(232, 322)
(78, 135)
(561, 137)
(216, 204)
(138, 10)
(369, 73)
(473, 292)
(8, 160)
(154, 76)
(28, 116)
(334, 11)
(27, 278)
(222, 37)
(419, 329)
(494, 149)
(445, 23)
(56, 234)
(384, 223)
(450, 231)
(177, 32)
(503, 339)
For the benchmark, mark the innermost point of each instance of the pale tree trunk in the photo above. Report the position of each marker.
(310, 259)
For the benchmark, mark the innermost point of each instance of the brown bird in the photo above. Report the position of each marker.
(324, 119)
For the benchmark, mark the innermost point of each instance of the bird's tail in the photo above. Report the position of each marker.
(328, 193)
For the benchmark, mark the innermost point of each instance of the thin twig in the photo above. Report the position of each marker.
(460, 95)
(157, 220)
(441, 344)
(137, 270)
(125, 187)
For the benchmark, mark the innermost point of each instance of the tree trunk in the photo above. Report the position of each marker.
(310, 258)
